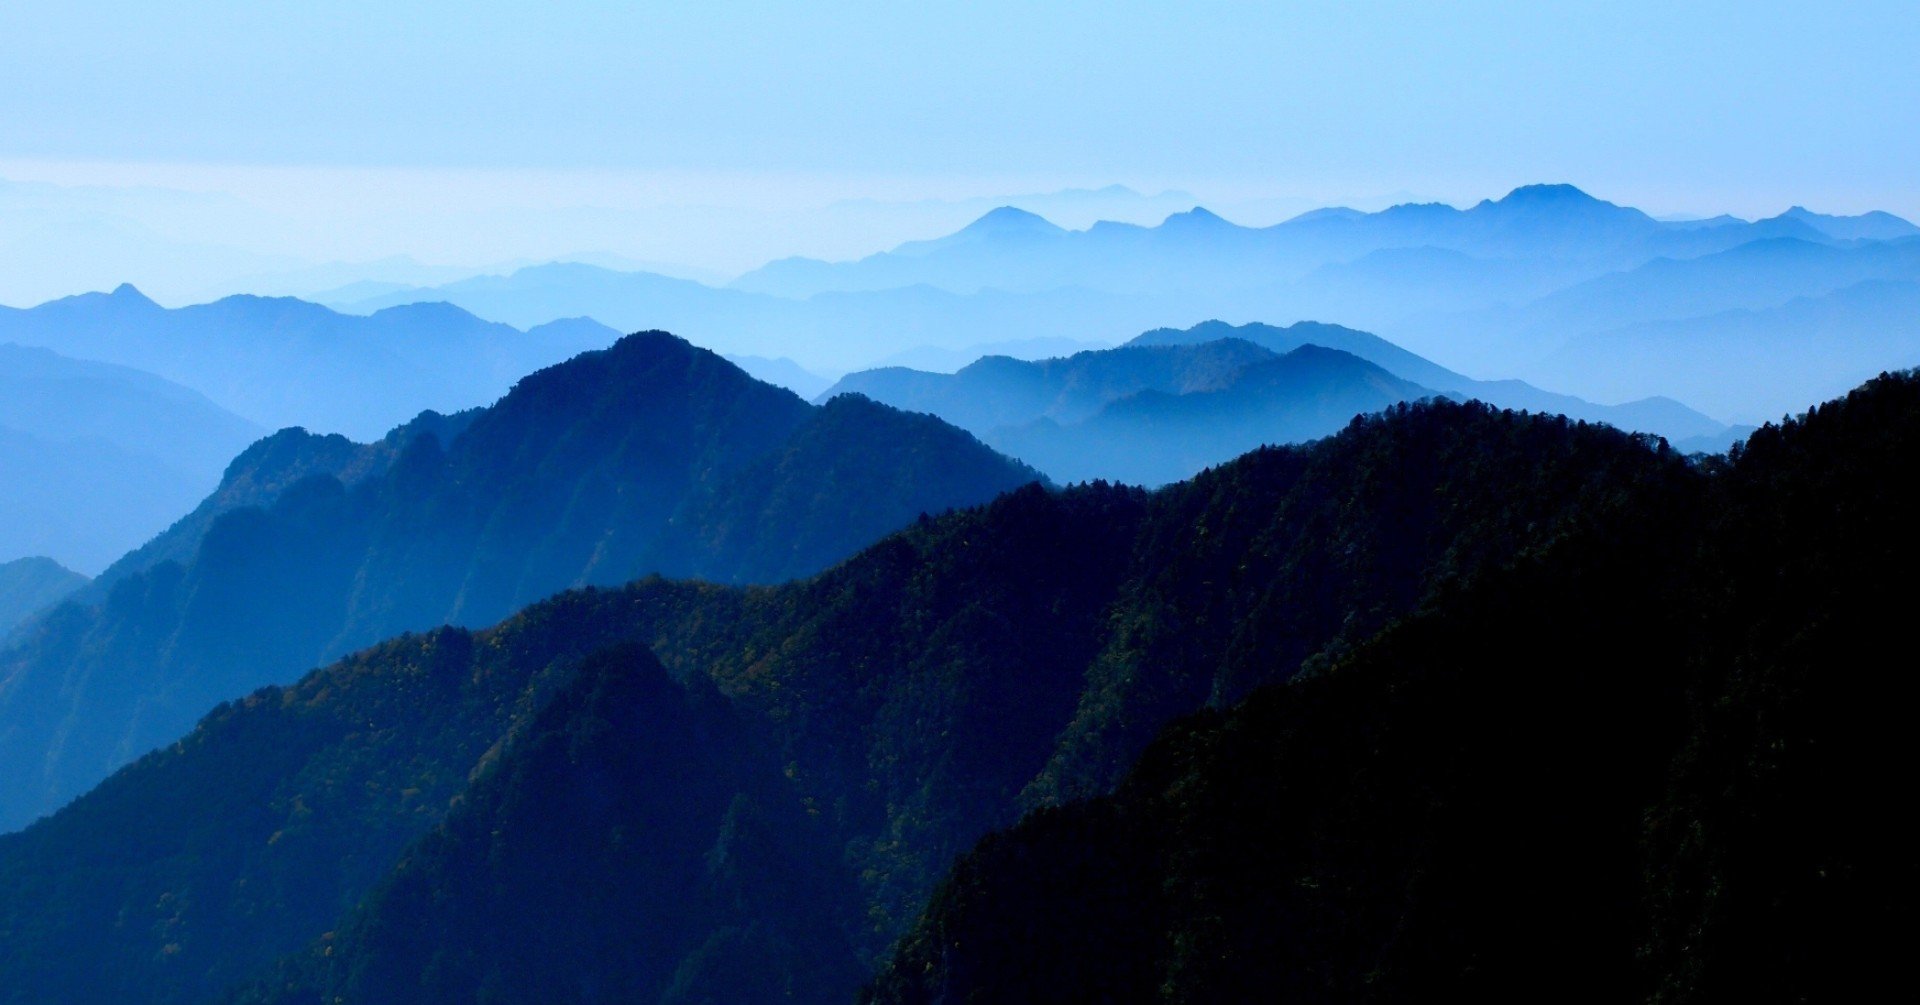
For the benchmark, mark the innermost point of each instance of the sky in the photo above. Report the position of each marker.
(226, 140)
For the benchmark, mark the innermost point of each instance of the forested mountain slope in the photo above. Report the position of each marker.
(652, 456)
(1653, 761)
(910, 700)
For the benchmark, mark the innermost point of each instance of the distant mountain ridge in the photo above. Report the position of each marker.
(1485, 290)
(98, 457)
(29, 585)
(1153, 437)
(648, 457)
(1657, 415)
(1013, 250)
(1171, 402)
(285, 362)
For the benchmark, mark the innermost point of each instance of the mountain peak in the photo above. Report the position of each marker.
(1011, 220)
(1541, 195)
(1875, 225)
(1198, 216)
(129, 293)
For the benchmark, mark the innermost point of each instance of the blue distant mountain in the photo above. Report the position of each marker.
(782, 372)
(1174, 401)
(1874, 226)
(278, 361)
(1752, 365)
(1491, 289)
(833, 332)
(1009, 249)
(29, 584)
(97, 458)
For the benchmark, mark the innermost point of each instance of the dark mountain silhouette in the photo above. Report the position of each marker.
(281, 361)
(1496, 700)
(652, 456)
(1649, 762)
(268, 467)
(28, 585)
(909, 700)
(1174, 401)
(76, 438)
(653, 819)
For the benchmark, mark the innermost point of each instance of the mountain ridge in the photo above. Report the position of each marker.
(650, 456)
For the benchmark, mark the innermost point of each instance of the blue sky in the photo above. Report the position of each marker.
(1745, 107)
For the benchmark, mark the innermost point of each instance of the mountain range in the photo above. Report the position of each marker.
(648, 457)
(1355, 719)
(1645, 763)
(1554, 225)
(1171, 402)
(99, 457)
(30, 585)
(281, 362)
(1492, 290)
(908, 701)
(652, 681)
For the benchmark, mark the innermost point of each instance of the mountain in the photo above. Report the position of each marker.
(1365, 345)
(266, 469)
(908, 701)
(1874, 226)
(27, 585)
(1645, 763)
(1489, 289)
(1173, 401)
(1682, 292)
(44, 393)
(998, 391)
(832, 332)
(283, 362)
(1661, 416)
(76, 436)
(651, 456)
(1456, 702)
(783, 372)
(1011, 250)
(1152, 437)
(685, 867)
(1756, 275)
(938, 360)
(1751, 364)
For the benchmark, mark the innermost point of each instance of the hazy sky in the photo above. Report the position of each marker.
(351, 129)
